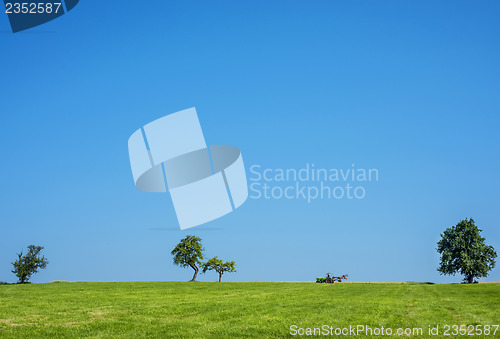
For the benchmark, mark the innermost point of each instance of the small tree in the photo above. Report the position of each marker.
(188, 252)
(463, 250)
(219, 266)
(27, 265)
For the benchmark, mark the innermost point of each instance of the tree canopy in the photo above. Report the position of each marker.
(464, 251)
(219, 266)
(27, 265)
(189, 252)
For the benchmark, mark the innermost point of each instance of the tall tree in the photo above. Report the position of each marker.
(219, 266)
(464, 251)
(189, 252)
(27, 265)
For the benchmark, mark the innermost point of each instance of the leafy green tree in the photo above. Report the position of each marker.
(189, 252)
(219, 266)
(27, 265)
(464, 251)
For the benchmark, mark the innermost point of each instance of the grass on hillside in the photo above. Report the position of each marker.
(258, 309)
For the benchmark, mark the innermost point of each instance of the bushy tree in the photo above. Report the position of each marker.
(27, 265)
(219, 266)
(189, 252)
(464, 251)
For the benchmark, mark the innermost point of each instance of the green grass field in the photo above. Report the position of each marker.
(257, 309)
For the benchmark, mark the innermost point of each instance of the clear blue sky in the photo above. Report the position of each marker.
(408, 87)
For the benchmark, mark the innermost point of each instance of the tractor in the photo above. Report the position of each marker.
(331, 279)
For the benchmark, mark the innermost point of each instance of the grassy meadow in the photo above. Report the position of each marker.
(224, 310)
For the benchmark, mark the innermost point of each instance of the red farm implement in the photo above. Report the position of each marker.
(330, 278)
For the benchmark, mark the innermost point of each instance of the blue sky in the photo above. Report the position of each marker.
(410, 88)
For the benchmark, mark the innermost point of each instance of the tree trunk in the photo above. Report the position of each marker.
(195, 272)
(220, 276)
(470, 279)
